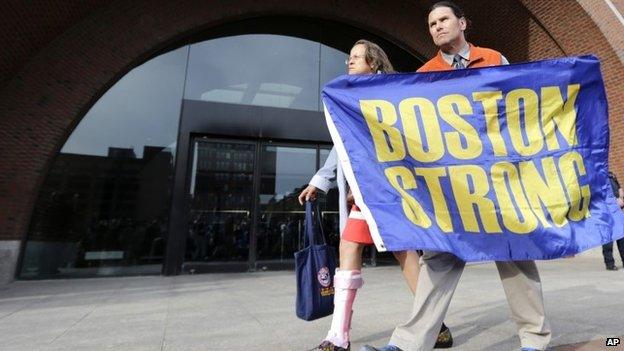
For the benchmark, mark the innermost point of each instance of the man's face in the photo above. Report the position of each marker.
(445, 28)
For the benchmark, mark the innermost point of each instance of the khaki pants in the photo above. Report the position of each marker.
(439, 275)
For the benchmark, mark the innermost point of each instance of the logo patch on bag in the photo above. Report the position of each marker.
(323, 277)
(325, 280)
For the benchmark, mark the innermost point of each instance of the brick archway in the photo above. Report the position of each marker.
(47, 87)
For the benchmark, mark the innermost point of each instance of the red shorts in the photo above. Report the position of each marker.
(356, 229)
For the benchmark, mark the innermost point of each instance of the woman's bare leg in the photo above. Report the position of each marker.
(350, 255)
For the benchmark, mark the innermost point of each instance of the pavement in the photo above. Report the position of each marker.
(255, 311)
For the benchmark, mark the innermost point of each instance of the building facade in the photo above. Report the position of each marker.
(157, 137)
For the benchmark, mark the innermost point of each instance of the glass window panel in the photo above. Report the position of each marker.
(141, 109)
(256, 69)
(332, 66)
(104, 206)
(285, 171)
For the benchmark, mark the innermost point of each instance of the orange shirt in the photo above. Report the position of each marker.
(479, 57)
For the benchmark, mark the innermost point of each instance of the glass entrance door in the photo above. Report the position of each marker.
(243, 207)
(284, 172)
(221, 202)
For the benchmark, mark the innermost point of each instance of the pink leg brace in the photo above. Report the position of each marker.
(346, 284)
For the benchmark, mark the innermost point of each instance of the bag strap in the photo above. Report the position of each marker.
(313, 214)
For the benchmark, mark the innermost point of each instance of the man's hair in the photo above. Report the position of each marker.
(457, 11)
(376, 57)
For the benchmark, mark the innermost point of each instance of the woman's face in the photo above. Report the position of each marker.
(357, 61)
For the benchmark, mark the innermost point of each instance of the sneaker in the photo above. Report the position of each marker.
(328, 346)
(384, 348)
(612, 268)
(445, 339)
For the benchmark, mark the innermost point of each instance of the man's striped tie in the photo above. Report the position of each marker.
(458, 63)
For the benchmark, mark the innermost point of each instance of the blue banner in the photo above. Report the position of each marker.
(497, 163)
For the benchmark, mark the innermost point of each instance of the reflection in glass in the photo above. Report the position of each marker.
(255, 69)
(332, 66)
(262, 70)
(142, 108)
(221, 192)
(104, 207)
(285, 171)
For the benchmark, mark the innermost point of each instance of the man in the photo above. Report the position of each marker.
(440, 271)
(607, 249)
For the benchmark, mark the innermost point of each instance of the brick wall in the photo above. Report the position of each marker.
(28, 26)
(572, 25)
(59, 63)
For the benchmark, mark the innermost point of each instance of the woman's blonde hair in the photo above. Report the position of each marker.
(376, 57)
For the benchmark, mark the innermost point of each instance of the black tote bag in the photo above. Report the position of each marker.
(315, 267)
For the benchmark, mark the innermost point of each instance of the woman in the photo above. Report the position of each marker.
(365, 58)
